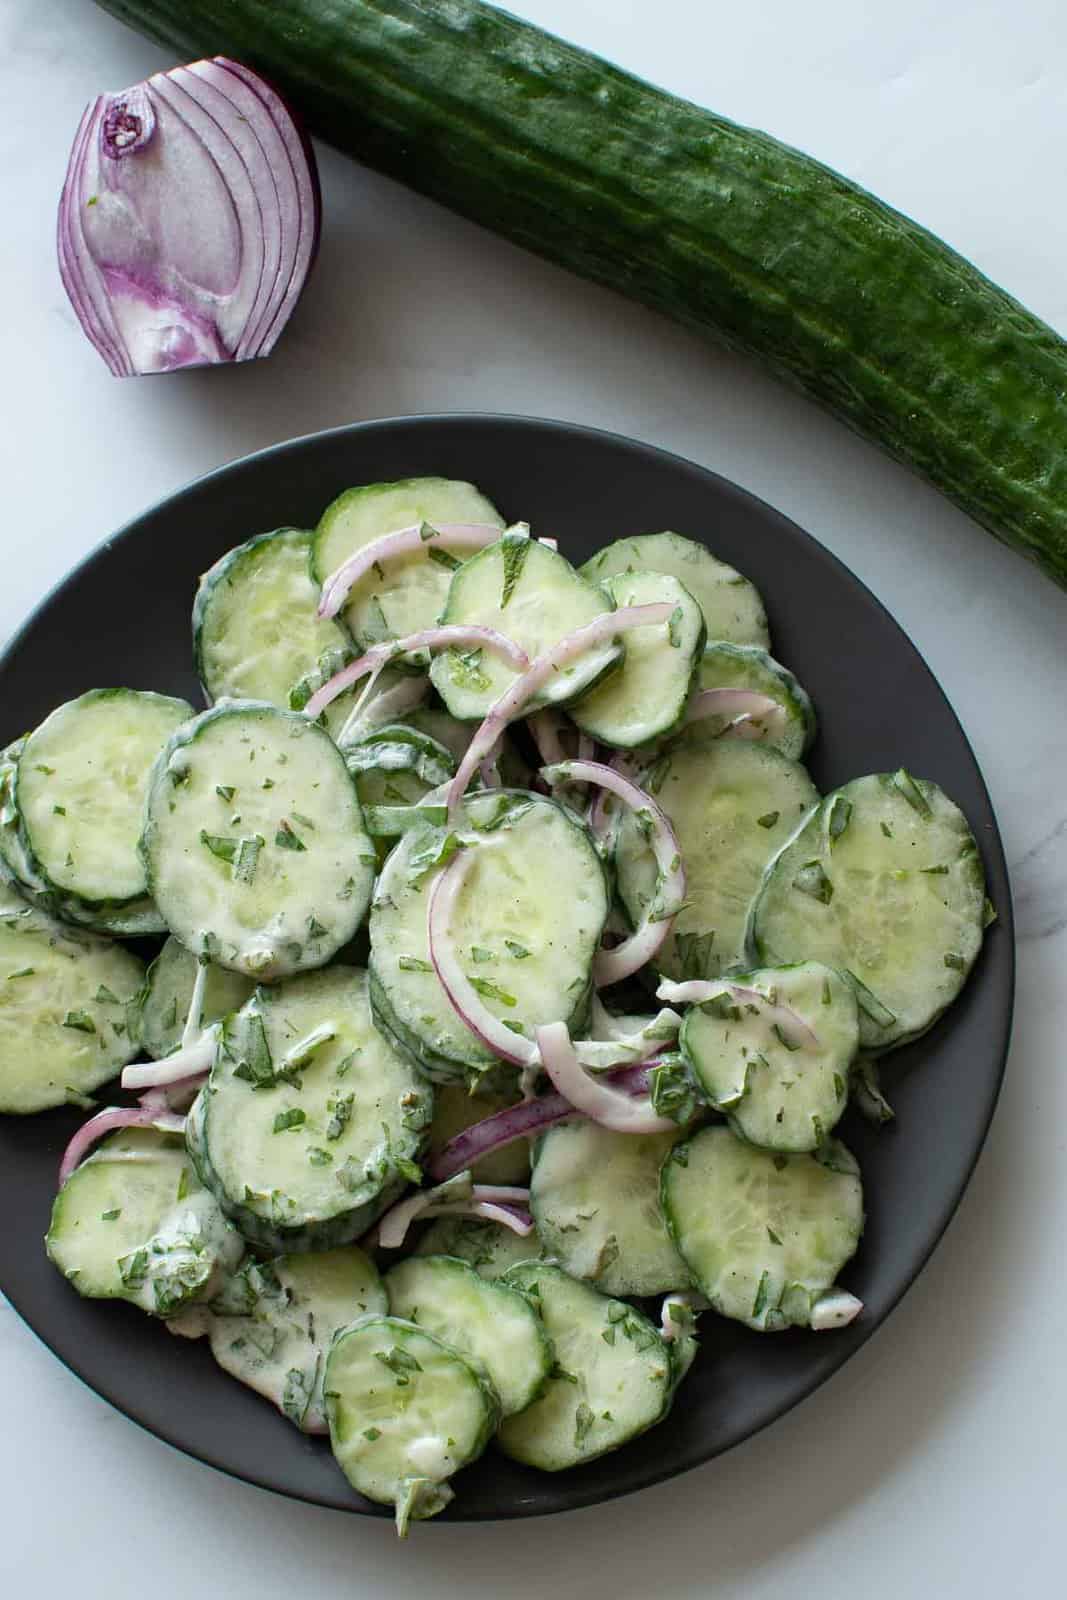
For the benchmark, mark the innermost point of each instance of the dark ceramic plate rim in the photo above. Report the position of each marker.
(140, 526)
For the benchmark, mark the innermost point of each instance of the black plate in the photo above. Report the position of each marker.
(122, 617)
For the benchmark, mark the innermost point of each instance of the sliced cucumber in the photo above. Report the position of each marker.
(594, 1196)
(78, 792)
(529, 945)
(732, 804)
(489, 1247)
(397, 765)
(764, 1234)
(256, 631)
(731, 605)
(254, 840)
(133, 1223)
(310, 1123)
(487, 1320)
(272, 1324)
(532, 595)
(168, 992)
(406, 1411)
(455, 1109)
(885, 882)
(791, 729)
(647, 694)
(783, 1088)
(408, 592)
(611, 1380)
(64, 999)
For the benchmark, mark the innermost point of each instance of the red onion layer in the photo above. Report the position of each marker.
(107, 1122)
(447, 638)
(403, 542)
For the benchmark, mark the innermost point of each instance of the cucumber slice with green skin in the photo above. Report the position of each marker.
(781, 1090)
(256, 631)
(884, 881)
(594, 1197)
(65, 996)
(532, 595)
(746, 666)
(409, 592)
(134, 1223)
(309, 1124)
(254, 840)
(764, 1234)
(406, 1411)
(731, 604)
(455, 1109)
(168, 992)
(489, 1247)
(733, 805)
(647, 694)
(612, 1377)
(487, 1320)
(529, 945)
(77, 793)
(272, 1324)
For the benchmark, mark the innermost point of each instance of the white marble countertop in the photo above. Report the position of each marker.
(933, 1464)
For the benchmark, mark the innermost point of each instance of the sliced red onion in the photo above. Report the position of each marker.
(464, 998)
(458, 1196)
(520, 1122)
(173, 1096)
(602, 1102)
(697, 991)
(586, 747)
(513, 702)
(189, 219)
(489, 770)
(447, 638)
(404, 542)
(835, 1309)
(601, 819)
(752, 714)
(624, 959)
(545, 727)
(107, 1122)
(185, 1063)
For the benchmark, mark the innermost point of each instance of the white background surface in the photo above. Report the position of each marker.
(933, 1464)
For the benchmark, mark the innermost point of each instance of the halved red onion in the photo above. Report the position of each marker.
(520, 1122)
(624, 959)
(463, 996)
(753, 714)
(602, 1102)
(403, 542)
(185, 1063)
(189, 219)
(513, 702)
(458, 1196)
(107, 1122)
(697, 991)
(451, 637)
(835, 1309)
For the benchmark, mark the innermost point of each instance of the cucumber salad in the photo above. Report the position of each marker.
(508, 981)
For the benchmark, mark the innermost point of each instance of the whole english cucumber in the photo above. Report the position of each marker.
(722, 228)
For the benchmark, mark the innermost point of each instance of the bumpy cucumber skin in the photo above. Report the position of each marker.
(725, 229)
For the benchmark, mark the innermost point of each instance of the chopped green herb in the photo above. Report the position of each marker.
(111, 1216)
(838, 817)
(319, 1157)
(427, 531)
(296, 1396)
(514, 549)
(340, 1109)
(444, 558)
(59, 811)
(910, 791)
(225, 791)
(183, 1184)
(519, 951)
(222, 848)
(479, 953)
(490, 991)
(583, 1421)
(81, 1021)
(812, 880)
(400, 1362)
(286, 839)
(934, 872)
(289, 1119)
(246, 858)
(23, 972)
(104, 996)
(772, 1236)
(694, 953)
(315, 929)
(954, 961)
(887, 830)
(759, 1304)
(372, 1434)
(413, 964)
(768, 819)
